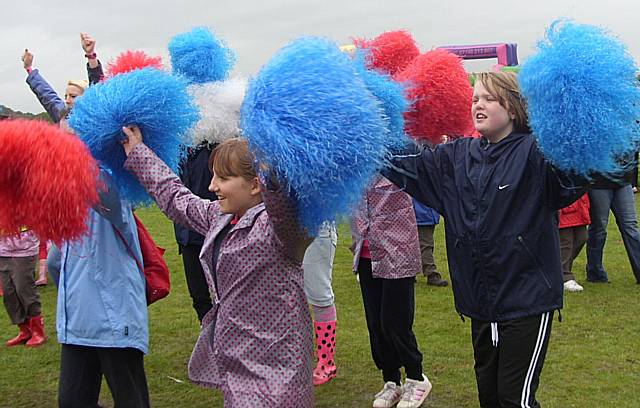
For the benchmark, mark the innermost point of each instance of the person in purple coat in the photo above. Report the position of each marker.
(256, 342)
(58, 109)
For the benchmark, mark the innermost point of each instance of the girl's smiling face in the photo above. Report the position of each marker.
(235, 193)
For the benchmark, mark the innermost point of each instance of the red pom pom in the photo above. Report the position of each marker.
(48, 180)
(131, 60)
(441, 93)
(390, 52)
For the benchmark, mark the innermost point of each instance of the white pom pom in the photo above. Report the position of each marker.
(219, 104)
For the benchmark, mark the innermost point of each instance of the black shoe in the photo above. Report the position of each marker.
(437, 282)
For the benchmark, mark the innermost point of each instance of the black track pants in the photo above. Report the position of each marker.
(508, 360)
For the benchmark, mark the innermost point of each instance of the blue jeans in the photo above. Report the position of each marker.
(318, 266)
(621, 201)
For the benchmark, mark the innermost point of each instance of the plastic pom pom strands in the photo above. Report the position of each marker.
(206, 61)
(390, 52)
(155, 101)
(391, 95)
(200, 56)
(131, 60)
(441, 93)
(48, 180)
(310, 118)
(219, 104)
(583, 98)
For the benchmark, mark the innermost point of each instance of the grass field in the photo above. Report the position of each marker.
(593, 358)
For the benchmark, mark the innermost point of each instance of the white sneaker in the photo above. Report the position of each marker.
(389, 396)
(573, 286)
(414, 392)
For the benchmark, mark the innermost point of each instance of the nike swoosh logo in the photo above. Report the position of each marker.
(503, 187)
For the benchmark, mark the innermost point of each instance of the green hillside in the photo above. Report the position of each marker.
(26, 115)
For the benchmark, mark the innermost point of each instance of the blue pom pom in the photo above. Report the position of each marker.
(583, 98)
(200, 56)
(310, 117)
(155, 101)
(392, 97)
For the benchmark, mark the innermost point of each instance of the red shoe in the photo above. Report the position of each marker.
(326, 344)
(38, 338)
(22, 337)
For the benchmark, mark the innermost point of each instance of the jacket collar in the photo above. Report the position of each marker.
(513, 136)
(492, 151)
(250, 216)
(245, 221)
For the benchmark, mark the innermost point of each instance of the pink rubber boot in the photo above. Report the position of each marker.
(326, 344)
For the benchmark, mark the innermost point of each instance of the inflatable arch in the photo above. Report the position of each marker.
(506, 53)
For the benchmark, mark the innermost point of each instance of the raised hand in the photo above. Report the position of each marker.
(27, 59)
(88, 43)
(134, 138)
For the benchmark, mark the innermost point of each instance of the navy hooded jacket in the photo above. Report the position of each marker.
(500, 203)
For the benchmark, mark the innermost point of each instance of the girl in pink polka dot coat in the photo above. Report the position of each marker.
(387, 259)
(256, 343)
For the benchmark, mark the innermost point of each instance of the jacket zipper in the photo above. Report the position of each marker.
(477, 228)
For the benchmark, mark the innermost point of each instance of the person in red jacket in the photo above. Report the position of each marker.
(573, 236)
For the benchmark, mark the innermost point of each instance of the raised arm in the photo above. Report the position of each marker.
(417, 170)
(560, 189)
(173, 198)
(283, 217)
(94, 67)
(48, 98)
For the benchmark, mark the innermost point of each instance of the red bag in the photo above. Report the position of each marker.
(155, 271)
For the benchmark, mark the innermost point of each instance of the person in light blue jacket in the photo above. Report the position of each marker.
(102, 320)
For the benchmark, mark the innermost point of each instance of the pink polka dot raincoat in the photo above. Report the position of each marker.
(256, 342)
(386, 219)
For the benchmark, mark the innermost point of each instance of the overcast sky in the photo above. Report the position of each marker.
(257, 28)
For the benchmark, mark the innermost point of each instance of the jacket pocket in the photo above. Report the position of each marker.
(468, 286)
(535, 260)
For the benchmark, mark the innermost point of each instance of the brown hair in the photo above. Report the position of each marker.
(232, 158)
(504, 87)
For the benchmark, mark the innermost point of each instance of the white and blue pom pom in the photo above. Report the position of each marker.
(219, 104)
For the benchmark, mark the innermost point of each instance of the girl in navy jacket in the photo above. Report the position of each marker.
(500, 198)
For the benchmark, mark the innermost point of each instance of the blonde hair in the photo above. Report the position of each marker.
(232, 158)
(79, 83)
(504, 87)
